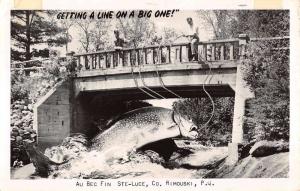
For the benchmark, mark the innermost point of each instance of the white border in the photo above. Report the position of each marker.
(291, 183)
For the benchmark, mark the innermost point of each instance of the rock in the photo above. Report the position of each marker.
(244, 150)
(19, 138)
(155, 157)
(18, 123)
(28, 129)
(265, 148)
(14, 133)
(202, 159)
(15, 129)
(25, 112)
(30, 107)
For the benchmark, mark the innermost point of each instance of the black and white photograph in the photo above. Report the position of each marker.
(151, 98)
(149, 94)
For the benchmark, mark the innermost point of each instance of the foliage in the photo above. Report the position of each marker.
(33, 86)
(267, 74)
(218, 130)
(266, 68)
(32, 27)
(255, 23)
(138, 31)
(94, 34)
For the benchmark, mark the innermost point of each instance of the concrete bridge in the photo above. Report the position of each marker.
(105, 77)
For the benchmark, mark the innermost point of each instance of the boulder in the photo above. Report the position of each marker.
(14, 133)
(244, 149)
(19, 138)
(265, 148)
(30, 107)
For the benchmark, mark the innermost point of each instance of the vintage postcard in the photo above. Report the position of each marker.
(183, 96)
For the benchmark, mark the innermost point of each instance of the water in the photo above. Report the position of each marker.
(95, 164)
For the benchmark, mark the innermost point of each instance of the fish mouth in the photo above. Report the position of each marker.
(192, 134)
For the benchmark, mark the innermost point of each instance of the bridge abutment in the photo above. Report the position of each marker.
(242, 93)
(52, 115)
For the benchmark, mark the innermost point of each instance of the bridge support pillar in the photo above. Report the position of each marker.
(52, 116)
(242, 93)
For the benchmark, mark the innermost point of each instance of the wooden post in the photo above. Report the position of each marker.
(231, 49)
(79, 64)
(93, 61)
(153, 55)
(168, 60)
(213, 52)
(112, 64)
(222, 52)
(99, 61)
(145, 56)
(86, 63)
(105, 61)
(180, 53)
(204, 54)
(129, 58)
(159, 56)
(137, 60)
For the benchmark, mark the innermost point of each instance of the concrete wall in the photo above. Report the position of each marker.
(172, 76)
(52, 116)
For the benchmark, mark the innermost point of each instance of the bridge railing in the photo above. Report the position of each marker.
(214, 51)
(218, 50)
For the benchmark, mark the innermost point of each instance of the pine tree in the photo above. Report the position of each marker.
(32, 27)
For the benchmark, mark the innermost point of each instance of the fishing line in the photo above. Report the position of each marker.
(137, 85)
(132, 72)
(144, 84)
(159, 77)
(203, 84)
(203, 87)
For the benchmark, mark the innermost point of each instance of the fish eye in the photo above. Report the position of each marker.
(193, 128)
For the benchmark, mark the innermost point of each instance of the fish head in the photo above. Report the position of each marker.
(186, 126)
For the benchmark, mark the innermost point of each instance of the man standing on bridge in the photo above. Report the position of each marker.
(119, 45)
(192, 35)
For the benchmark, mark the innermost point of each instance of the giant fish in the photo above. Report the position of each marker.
(142, 126)
(129, 132)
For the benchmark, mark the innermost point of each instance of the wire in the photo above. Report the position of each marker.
(203, 84)
(137, 85)
(144, 84)
(203, 87)
(159, 77)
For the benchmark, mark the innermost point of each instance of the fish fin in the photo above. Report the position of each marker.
(172, 125)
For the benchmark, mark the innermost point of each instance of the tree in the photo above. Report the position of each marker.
(31, 27)
(256, 23)
(86, 35)
(94, 34)
(138, 31)
(220, 21)
(66, 25)
(100, 40)
(267, 74)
